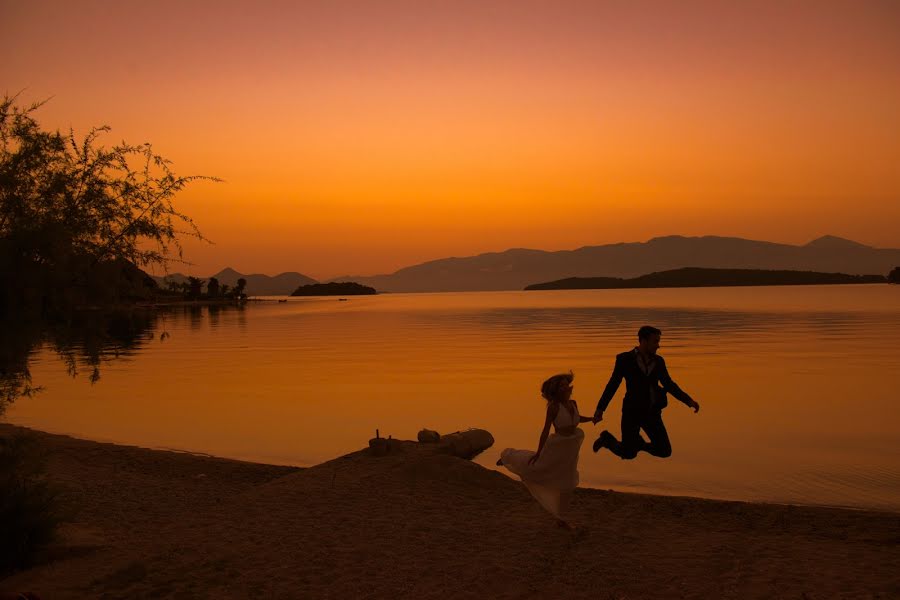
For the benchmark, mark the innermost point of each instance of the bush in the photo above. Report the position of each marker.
(29, 505)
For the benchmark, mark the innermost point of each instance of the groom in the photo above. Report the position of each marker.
(646, 383)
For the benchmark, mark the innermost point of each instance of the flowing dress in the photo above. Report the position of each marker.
(555, 474)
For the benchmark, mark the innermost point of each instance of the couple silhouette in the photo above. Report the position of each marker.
(551, 472)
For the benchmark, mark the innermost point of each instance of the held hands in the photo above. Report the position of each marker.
(598, 416)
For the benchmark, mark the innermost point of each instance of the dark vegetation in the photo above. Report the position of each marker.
(699, 277)
(192, 289)
(894, 275)
(29, 506)
(335, 288)
(78, 221)
(255, 284)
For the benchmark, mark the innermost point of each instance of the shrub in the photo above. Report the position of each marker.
(29, 505)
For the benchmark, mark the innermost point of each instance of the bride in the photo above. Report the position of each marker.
(551, 473)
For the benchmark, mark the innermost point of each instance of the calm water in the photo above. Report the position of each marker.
(799, 386)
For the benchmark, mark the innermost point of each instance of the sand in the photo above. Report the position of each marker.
(419, 524)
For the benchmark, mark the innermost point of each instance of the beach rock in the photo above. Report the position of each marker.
(467, 444)
(429, 436)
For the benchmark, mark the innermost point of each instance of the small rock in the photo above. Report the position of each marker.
(429, 436)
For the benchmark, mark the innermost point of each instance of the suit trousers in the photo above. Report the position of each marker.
(632, 442)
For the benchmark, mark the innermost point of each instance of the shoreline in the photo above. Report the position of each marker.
(416, 523)
(273, 461)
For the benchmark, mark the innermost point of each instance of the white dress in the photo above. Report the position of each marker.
(555, 473)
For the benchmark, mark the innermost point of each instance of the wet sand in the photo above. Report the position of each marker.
(420, 524)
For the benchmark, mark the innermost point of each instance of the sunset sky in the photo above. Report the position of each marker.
(359, 137)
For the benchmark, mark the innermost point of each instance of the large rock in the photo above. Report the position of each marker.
(467, 444)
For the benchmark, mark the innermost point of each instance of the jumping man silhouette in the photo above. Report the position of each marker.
(647, 383)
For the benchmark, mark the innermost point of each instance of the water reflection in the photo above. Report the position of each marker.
(83, 341)
(614, 320)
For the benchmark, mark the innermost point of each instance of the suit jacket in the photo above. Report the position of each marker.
(643, 391)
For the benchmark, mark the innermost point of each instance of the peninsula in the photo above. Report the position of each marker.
(701, 277)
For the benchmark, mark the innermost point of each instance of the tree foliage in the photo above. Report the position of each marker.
(212, 288)
(195, 287)
(68, 205)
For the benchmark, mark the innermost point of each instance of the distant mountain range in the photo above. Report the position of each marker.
(257, 285)
(518, 267)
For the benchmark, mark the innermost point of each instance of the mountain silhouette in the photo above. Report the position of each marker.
(832, 242)
(257, 284)
(515, 268)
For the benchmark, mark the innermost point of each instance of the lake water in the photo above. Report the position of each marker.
(798, 386)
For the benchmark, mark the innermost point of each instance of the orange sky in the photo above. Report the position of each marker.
(358, 137)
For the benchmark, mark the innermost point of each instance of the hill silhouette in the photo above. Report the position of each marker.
(518, 267)
(698, 277)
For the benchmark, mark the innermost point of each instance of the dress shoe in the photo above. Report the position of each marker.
(602, 441)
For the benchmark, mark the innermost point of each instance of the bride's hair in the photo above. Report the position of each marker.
(550, 388)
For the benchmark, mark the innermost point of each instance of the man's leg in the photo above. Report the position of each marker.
(631, 442)
(655, 429)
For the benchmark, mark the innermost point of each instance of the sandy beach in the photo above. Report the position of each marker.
(420, 524)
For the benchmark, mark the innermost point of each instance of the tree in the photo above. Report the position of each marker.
(212, 288)
(195, 287)
(68, 205)
(239, 288)
(894, 276)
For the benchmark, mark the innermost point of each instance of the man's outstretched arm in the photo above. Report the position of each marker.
(672, 388)
(614, 381)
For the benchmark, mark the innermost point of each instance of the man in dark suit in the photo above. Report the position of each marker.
(647, 382)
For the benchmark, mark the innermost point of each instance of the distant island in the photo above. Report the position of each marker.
(702, 277)
(336, 288)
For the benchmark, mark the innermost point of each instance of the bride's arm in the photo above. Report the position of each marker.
(582, 418)
(552, 409)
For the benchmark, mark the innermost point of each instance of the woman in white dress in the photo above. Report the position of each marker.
(551, 473)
